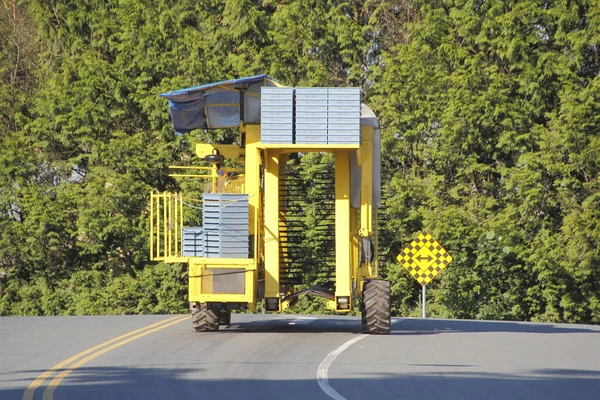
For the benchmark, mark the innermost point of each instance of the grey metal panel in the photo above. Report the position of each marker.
(344, 90)
(311, 90)
(222, 222)
(215, 233)
(269, 126)
(192, 242)
(273, 89)
(277, 108)
(311, 132)
(343, 126)
(341, 120)
(344, 97)
(311, 97)
(225, 229)
(276, 139)
(343, 140)
(225, 197)
(345, 115)
(311, 125)
(312, 140)
(226, 205)
(344, 109)
(277, 134)
(225, 209)
(225, 221)
(311, 114)
(312, 103)
(344, 103)
(274, 119)
(304, 108)
(311, 136)
(344, 132)
(271, 99)
(310, 121)
(275, 103)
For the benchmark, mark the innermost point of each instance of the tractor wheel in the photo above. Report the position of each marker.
(224, 316)
(205, 318)
(376, 307)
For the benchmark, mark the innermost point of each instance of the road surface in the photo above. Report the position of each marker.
(295, 357)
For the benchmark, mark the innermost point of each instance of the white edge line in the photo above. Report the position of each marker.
(322, 378)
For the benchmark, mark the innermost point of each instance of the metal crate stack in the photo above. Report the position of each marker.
(193, 241)
(276, 115)
(225, 222)
(343, 115)
(311, 115)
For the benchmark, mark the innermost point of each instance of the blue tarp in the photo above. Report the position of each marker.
(217, 104)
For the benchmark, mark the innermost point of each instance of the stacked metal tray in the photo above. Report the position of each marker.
(311, 115)
(193, 241)
(276, 115)
(225, 222)
(343, 115)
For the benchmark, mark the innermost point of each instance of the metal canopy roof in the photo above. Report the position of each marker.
(217, 104)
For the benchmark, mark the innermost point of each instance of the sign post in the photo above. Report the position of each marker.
(424, 290)
(424, 258)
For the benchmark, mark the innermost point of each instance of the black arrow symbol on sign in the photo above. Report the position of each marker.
(421, 258)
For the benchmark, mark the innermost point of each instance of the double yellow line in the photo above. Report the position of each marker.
(89, 354)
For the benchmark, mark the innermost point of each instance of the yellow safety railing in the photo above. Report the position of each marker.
(166, 225)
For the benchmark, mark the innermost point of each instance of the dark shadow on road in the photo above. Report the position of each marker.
(185, 382)
(400, 326)
(296, 324)
(414, 326)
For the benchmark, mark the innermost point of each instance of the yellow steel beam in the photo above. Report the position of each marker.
(355, 248)
(343, 284)
(271, 223)
(252, 181)
(152, 226)
(366, 192)
(375, 264)
(165, 226)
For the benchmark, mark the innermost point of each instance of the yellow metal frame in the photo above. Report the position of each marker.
(198, 265)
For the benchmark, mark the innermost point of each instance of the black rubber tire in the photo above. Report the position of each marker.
(224, 317)
(376, 307)
(214, 158)
(205, 318)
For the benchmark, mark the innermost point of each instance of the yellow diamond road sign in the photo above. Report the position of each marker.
(424, 258)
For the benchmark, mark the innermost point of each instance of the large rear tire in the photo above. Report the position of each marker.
(376, 307)
(205, 318)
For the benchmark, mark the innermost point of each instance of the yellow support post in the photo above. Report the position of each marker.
(375, 264)
(165, 226)
(252, 183)
(271, 224)
(152, 226)
(355, 248)
(366, 192)
(343, 284)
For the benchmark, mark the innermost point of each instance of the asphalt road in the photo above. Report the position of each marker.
(280, 356)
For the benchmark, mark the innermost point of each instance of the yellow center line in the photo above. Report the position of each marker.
(30, 391)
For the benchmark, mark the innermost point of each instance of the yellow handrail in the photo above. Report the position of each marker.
(166, 225)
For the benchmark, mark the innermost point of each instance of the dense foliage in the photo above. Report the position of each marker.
(490, 113)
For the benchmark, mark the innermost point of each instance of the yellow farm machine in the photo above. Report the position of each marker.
(245, 250)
